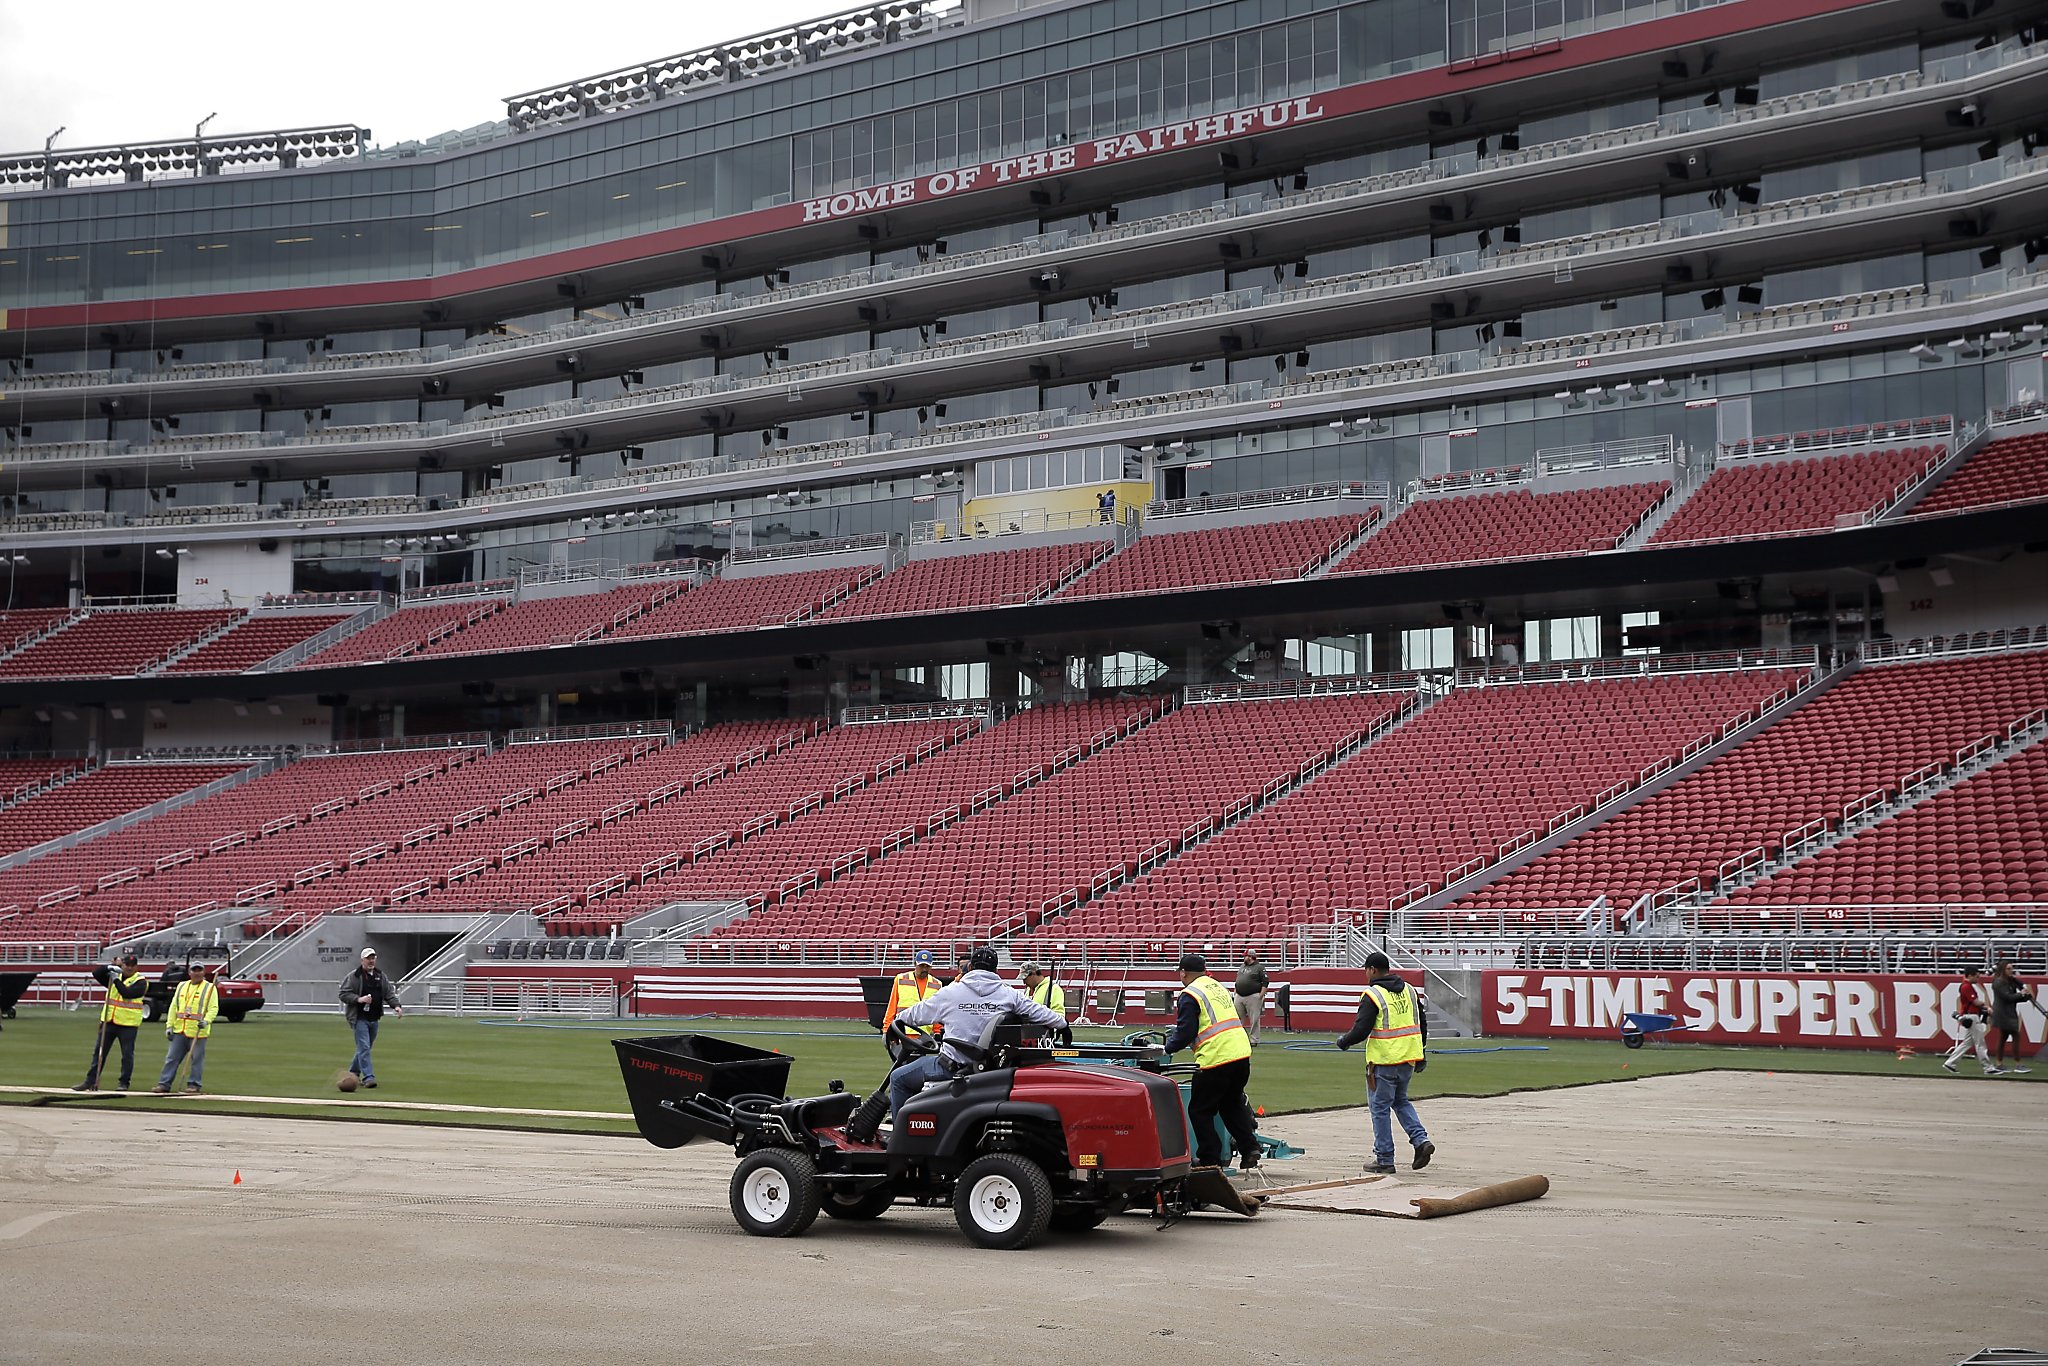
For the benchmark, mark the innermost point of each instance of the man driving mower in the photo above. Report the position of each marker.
(962, 1011)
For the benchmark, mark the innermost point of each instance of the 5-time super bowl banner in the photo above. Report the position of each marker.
(1801, 1010)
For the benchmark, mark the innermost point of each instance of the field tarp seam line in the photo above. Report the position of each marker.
(324, 1103)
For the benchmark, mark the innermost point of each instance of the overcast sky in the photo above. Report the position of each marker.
(123, 71)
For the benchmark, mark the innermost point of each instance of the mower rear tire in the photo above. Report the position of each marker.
(775, 1193)
(866, 1204)
(1003, 1201)
(1078, 1218)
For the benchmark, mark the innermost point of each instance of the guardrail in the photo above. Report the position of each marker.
(1377, 491)
(1848, 951)
(877, 540)
(1974, 643)
(603, 730)
(1711, 661)
(582, 998)
(972, 709)
(1345, 685)
(1913, 430)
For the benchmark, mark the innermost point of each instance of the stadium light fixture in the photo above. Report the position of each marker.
(1921, 349)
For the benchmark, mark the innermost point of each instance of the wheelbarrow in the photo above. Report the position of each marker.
(1636, 1027)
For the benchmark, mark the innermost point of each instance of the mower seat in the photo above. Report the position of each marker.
(818, 1112)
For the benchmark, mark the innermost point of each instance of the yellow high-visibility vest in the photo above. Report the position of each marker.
(1221, 1037)
(1396, 1032)
(122, 1010)
(1047, 993)
(907, 992)
(193, 1008)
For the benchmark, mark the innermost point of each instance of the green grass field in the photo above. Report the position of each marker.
(572, 1066)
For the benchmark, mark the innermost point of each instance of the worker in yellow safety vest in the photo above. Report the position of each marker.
(194, 1005)
(1038, 984)
(908, 989)
(1395, 1031)
(120, 1019)
(1207, 1018)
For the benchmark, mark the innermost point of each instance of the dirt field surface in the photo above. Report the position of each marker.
(1709, 1218)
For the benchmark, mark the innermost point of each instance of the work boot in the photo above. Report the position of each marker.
(159, 1090)
(1424, 1151)
(1248, 1159)
(866, 1119)
(193, 1089)
(1379, 1169)
(85, 1086)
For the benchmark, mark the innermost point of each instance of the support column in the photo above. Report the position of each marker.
(1003, 681)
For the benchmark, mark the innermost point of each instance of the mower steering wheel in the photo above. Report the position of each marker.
(1143, 1037)
(909, 1045)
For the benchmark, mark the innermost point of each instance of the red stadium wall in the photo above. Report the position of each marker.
(1804, 1010)
(1323, 998)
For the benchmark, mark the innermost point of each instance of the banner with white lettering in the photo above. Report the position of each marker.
(1803, 1010)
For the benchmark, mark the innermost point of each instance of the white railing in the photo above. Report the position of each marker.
(1353, 490)
(1290, 948)
(1604, 455)
(1907, 431)
(1350, 685)
(582, 998)
(1631, 666)
(1971, 643)
(835, 545)
(1542, 950)
(974, 709)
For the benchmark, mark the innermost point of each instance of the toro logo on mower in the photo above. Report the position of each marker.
(922, 1124)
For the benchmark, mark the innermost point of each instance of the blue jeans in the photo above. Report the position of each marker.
(1389, 1096)
(907, 1080)
(366, 1035)
(181, 1044)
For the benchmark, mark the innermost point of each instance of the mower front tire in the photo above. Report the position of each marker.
(1079, 1218)
(867, 1204)
(1003, 1201)
(775, 1193)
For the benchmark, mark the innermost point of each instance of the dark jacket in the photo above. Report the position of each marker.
(129, 989)
(2006, 995)
(369, 982)
(1369, 1014)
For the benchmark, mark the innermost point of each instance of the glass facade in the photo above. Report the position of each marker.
(1042, 80)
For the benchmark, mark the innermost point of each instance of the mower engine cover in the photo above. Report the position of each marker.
(1117, 1122)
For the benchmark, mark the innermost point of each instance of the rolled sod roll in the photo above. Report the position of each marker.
(1486, 1197)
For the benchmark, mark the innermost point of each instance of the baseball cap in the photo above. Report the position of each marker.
(369, 953)
(129, 958)
(923, 956)
(1029, 969)
(1193, 962)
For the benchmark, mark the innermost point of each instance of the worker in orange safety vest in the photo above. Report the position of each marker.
(908, 989)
